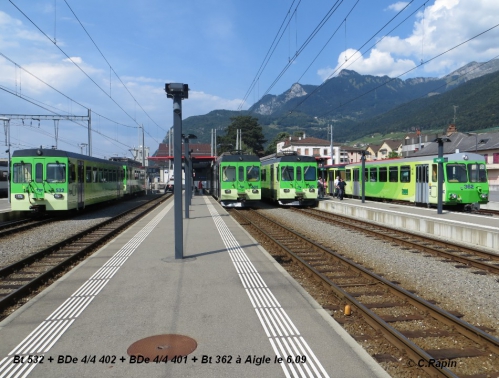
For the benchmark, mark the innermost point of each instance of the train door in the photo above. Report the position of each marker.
(356, 183)
(272, 193)
(117, 177)
(422, 184)
(80, 185)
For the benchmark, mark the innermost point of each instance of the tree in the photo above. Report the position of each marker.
(252, 136)
(272, 147)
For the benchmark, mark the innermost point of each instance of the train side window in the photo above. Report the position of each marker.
(373, 174)
(264, 175)
(88, 174)
(405, 173)
(39, 172)
(56, 172)
(72, 173)
(383, 174)
(22, 173)
(348, 175)
(240, 173)
(434, 172)
(310, 173)
(393, 174)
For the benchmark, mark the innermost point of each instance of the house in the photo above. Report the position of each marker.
(372, 151)
(320, 148)
(414, 142)
(388, 147)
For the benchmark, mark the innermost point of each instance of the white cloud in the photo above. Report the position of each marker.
(437, 31)
(397, 7)
(205, 102)
(378, 63)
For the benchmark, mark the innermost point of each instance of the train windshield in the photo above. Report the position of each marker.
(229, 173)
(253, 173)
(310, 173)
(287, 173)
(22, 173)
(456, 173)
(477, 172)
(56, 172)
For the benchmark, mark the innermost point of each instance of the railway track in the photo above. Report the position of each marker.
(421, 336)
(10, 228)
(19, 280)
(465, 257)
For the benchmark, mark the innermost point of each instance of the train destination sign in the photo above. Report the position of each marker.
(440, 160)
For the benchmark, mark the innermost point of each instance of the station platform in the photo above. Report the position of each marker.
(227, 306)
(468, 228)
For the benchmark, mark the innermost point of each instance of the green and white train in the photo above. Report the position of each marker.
(415, 180)
(56, 180)
(235, 180)
(289, 179)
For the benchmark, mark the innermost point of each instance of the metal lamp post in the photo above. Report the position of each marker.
(177, 92)
(188, 172)
(440, 160)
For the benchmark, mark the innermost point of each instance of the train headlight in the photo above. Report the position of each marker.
(227, 191)
(311, 190)
(58, 196)
(286, 190)
(254, 191)
(453, 196)
(484, 196)
(19, 196)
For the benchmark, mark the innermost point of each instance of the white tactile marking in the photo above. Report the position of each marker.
(51, 329)
(284, 337)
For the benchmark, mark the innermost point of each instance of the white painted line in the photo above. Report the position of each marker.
(272, 316)
(49, 331)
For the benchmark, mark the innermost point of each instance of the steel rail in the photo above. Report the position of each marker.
(31, 285)
(391, 334)
(403, 240)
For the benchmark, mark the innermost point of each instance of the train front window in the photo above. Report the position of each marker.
(229, 173)
(456, 173)
(253, 173)
(477, 173)
(56, 172)
(21, 173)
(38, 172)
(241, 173)
(310, 173)
(287, 173)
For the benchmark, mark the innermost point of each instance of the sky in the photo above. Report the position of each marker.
(63, 57)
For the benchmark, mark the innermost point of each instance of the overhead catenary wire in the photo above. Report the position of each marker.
(321, 24)
(76, 64)
(111, 68)
(269, 53)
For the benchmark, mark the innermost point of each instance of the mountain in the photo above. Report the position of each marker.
(476, 102)
(348, 95)
(358, 105)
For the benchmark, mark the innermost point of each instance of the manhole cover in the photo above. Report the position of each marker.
(169, 346)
